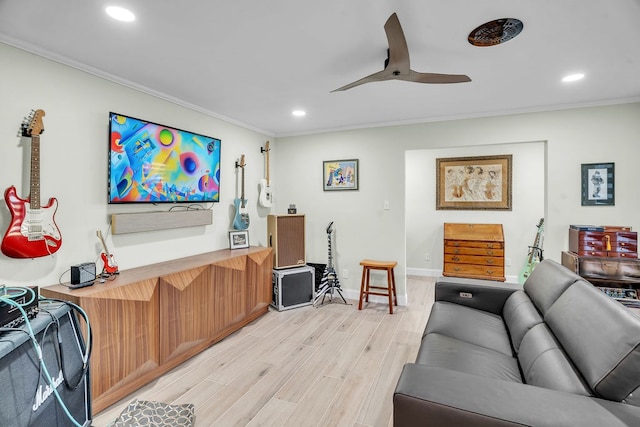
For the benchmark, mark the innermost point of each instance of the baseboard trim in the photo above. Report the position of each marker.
(423, 272)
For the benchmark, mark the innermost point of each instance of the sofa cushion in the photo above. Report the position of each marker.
(520, 315)
(601, 337)
(470, 325)
(547, 282)
(445, 352)
(544, 364)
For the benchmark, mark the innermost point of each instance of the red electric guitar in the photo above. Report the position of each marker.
(110, 266)
(33, 232)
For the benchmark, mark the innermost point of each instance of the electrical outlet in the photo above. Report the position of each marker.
(427, 257)
(507, 262)
(345, 273)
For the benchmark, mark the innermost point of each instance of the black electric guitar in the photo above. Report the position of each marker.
(241, 218)
(535, 254)
(329, 282)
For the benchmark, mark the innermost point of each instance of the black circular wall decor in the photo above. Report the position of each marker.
(495, 32)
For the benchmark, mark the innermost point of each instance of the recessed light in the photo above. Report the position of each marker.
(299, 113)
(120, 13)
(573, 77)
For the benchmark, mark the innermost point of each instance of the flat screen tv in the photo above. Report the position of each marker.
(154, 163)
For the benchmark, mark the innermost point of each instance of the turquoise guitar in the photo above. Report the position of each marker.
(241, 218)
(535, 254)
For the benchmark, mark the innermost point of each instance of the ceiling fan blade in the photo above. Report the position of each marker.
(435, 78)
(397, 66)
(375, 77)
(398, 60)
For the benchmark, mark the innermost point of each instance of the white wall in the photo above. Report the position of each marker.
(74, 167)
(365, 230)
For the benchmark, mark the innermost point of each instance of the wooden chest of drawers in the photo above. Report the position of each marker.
(606, 243)
(474, 251)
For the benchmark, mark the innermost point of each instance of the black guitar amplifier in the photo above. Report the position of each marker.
(10, 316)
(28, 397)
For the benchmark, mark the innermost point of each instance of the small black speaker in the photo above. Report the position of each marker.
(83, 273)
(27, 396)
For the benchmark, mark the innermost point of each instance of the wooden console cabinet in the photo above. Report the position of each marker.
(615, 272)
(150, 319)
(474, 251)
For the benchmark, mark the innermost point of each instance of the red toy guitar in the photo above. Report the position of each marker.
(110, 266)
(33, 232)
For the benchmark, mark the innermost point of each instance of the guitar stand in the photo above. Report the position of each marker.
(328, 288)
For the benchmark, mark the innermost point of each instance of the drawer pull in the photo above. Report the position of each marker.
(489, 252)
(490, 271)
(456, 243)
(489, 261)
(456, 268)
(456, 251)
(455, 258)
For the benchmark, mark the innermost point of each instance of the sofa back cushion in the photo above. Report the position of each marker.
(519, 315)
(547, 282)
(544, 364)
(601, 337)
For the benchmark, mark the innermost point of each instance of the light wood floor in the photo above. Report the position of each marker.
(327, 366)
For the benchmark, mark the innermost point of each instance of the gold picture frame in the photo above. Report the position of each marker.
(474, 183)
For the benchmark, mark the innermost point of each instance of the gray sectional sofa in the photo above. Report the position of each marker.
(554, 352)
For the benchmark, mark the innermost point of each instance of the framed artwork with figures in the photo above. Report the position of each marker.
(474, 183)
(598, 184)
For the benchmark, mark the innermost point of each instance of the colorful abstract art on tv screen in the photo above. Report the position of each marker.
(153, 163)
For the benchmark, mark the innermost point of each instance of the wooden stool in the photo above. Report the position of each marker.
(365, 288)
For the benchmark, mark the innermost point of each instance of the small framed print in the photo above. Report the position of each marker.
(598, 184)
(238, 239)
(340, 175)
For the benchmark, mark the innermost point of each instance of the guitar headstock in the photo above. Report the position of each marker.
(266, 148)
(240, 164)
(32, 125)
(540, 223)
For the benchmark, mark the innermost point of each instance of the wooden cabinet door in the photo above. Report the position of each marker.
(185, 301)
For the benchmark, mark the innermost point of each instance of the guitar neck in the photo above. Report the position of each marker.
(104, 245)
(34, 189)
(242, 192)
(268, 179)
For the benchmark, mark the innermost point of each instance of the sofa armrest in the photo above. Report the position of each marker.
(486, 295)
(428, 396)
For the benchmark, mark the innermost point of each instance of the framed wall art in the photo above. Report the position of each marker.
(238, 239)
(598, 185)
(474, 183)
(340, 175)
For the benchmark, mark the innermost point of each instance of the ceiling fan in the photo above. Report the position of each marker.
(396, 66)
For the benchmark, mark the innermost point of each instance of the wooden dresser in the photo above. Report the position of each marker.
(474, 251)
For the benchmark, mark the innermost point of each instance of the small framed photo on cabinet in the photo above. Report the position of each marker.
(238, 239)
